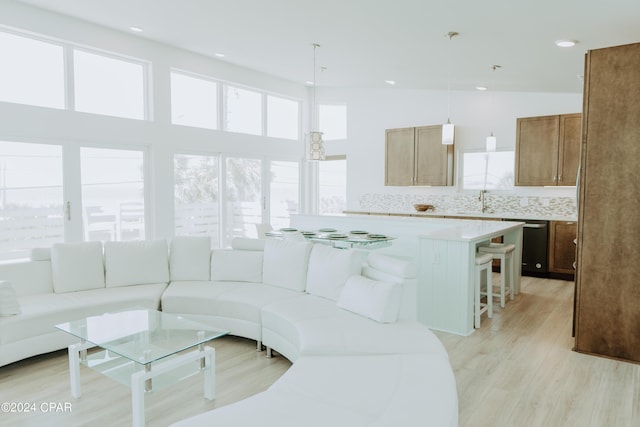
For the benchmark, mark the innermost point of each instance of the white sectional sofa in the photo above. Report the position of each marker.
(345, 318)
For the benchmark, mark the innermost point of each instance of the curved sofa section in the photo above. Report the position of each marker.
(345, 318)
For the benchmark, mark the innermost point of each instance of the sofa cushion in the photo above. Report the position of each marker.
(374, 299)
(285, 263)
(329, 269)
(392, 266)
(190, 258)
(9, 305)
(236, 265)
(77, 266)
(136, 262)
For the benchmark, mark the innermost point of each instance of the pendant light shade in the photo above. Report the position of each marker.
(448, 133)
(491, 143)
(315, 145)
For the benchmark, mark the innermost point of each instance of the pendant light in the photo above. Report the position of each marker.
(315, 145)
(491, 141)
(448, 129)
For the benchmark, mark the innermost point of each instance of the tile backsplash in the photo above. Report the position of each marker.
(506, 206)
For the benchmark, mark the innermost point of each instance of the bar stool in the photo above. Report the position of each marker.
(503, 252)
(483, 264)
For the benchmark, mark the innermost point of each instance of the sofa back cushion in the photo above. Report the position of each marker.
(77, 266)
(8, 300)
(329, 269)
(28, 277)
(285, 263)
(136, 262)
(374, 299)
(190, 258)
(236, 265)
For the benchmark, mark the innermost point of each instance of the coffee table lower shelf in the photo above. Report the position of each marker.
(143, 378)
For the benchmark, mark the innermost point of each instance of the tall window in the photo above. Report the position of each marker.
(243, 187)
(282, 118)
(332, 188)
(196, 181)
(332, 121)
(31, 72)
(112, 194)
(283, 193)
(243, 110)
(105, 85)
(488, 171)
(31, 201)
(194, 101)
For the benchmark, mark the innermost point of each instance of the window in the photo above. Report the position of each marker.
(283, 118)
(332, 121)
(283, 193)
(32, 72)
(243, 187)
(112, 194)
(332, 188)
(31, 201)
(196, 196)
(243, 110)
(488, 171)
(105, 85)
(194, 101)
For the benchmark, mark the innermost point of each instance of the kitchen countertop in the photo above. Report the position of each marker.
(467, 214)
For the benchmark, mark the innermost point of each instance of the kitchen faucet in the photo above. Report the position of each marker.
(482, 200)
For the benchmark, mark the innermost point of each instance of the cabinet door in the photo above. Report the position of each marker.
(433, 160)
(562, 249)
(537, 150)
(399, 156)
(569, 149)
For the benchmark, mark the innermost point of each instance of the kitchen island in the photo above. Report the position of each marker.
(444, 251)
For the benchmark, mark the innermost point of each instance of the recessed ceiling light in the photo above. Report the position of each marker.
(390, 82)
(481, 88)
(566, 43)
(220, 55)
(136, 29)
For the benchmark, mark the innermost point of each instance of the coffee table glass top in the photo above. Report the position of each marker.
(142, 335)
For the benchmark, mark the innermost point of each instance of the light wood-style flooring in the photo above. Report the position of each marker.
(517, 370)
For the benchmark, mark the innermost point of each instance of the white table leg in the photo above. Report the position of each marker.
(138, 381)
(77, 354)
(209, 373)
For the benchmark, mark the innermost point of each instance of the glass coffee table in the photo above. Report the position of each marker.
(144, 349)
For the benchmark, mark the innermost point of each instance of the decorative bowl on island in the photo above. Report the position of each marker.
(422, 208)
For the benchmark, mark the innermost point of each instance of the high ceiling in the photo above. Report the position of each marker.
(363, 43)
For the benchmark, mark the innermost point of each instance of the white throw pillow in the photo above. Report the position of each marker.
(190, 258)
(136, 262)
(237, 266)
(285, 263)
(77, 266)
(8, 300)
(376, 300)
(329, 269)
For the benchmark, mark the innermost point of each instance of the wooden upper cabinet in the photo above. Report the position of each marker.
(569, 148)
(400, 156)
(416, 156)
(434, 161)
(548, 150)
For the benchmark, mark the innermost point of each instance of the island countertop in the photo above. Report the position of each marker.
(471, 230)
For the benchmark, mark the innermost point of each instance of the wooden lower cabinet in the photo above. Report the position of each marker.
(562, 249)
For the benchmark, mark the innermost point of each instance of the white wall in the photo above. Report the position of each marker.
(475, 114)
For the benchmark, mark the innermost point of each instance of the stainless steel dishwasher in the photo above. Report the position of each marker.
(535, 243)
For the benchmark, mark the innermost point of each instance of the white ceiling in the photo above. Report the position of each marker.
(365, 42)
